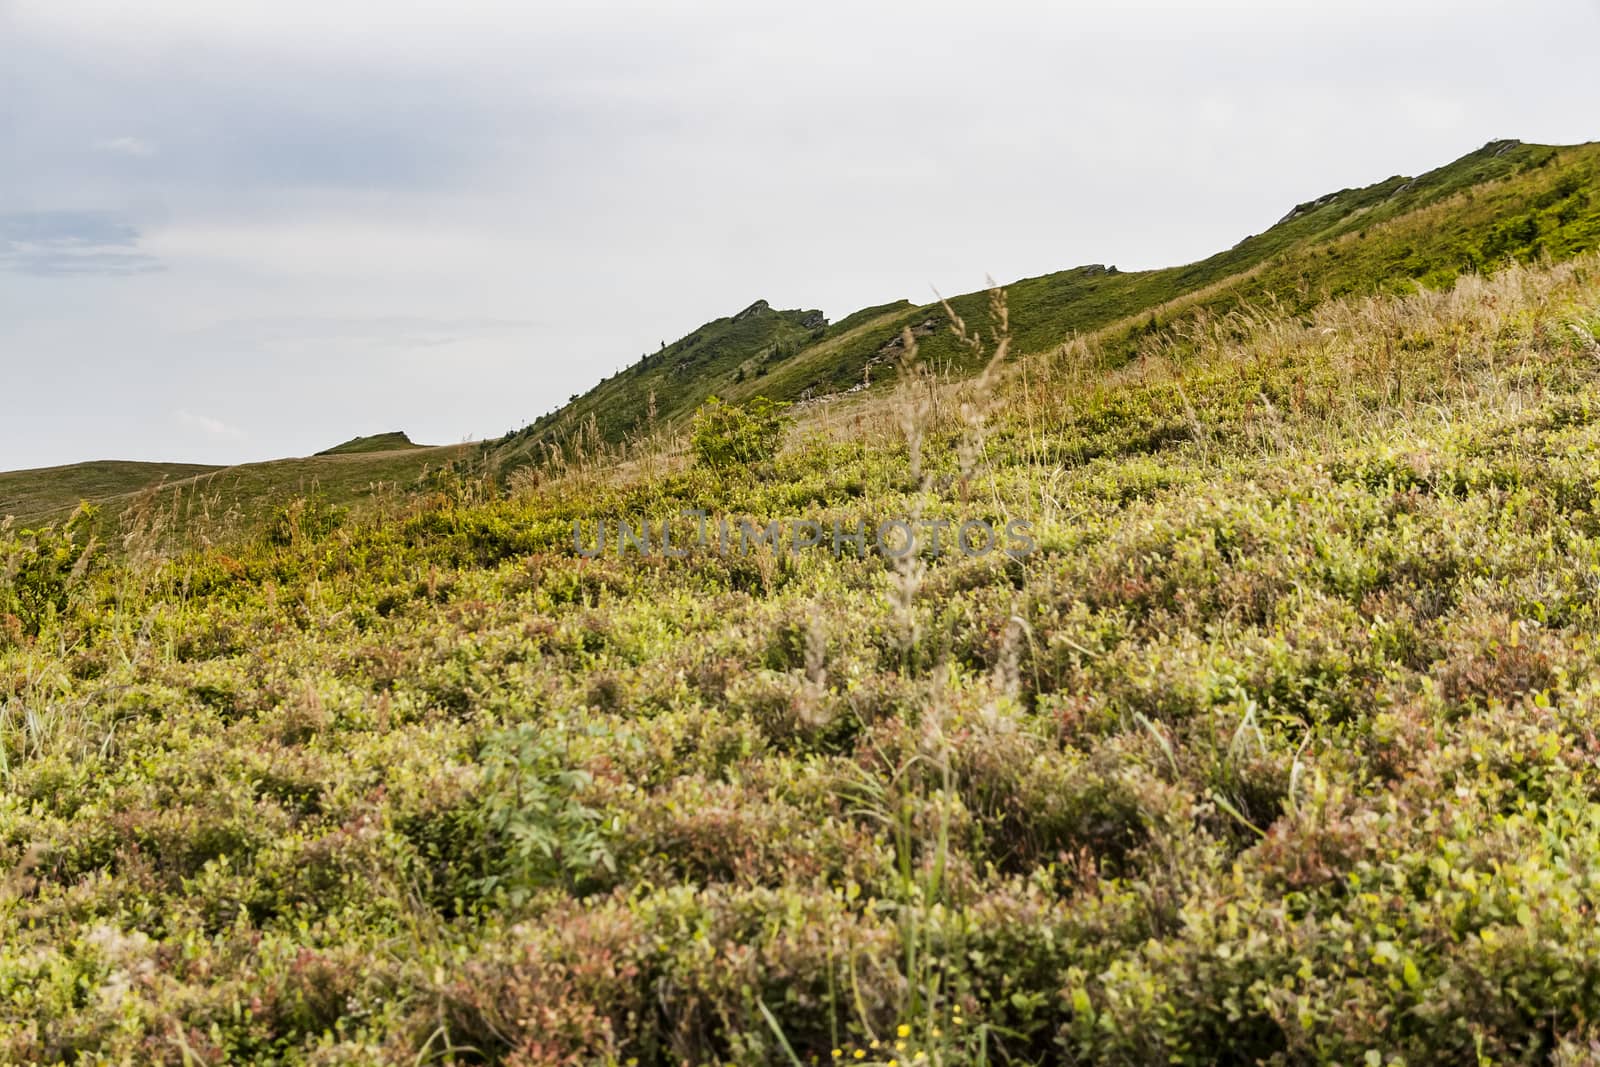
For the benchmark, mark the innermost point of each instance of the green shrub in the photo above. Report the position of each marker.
(534, 826)
(737, 435)
(303, 519)
(37, 571)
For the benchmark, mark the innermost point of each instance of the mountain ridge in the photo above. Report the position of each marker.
(1049, 309)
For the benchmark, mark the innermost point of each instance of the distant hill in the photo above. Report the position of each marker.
(223, 496)
(378, 442)
(44, 492)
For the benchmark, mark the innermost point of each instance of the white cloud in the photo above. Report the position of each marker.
(71, 243)
(126, 146)
(210, 426)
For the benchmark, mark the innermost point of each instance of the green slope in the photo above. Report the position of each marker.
(1507, 200)
(254, 492)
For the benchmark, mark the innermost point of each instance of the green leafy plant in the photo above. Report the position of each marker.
(536, 830)
(38, 569)
(728, 435)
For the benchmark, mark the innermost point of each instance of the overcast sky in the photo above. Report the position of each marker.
(240, 230)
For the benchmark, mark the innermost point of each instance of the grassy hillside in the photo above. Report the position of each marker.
(1272, 740)
(1278, 747)
(245, 497)
(224, 503)
(34, 495)
(1506, 201)
(669, 383)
